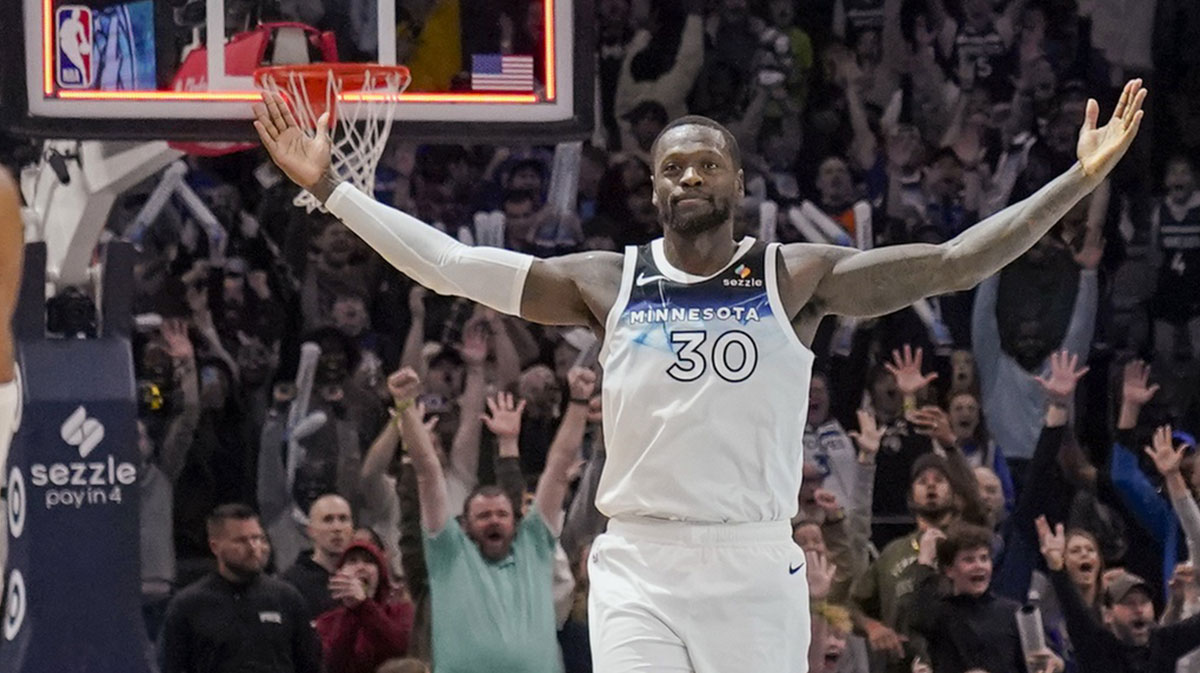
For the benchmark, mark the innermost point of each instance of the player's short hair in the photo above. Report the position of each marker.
(234, 510)
(731, 143)
(961, 537)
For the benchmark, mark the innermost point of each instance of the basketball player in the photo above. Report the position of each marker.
(706, 369)
(12, 247)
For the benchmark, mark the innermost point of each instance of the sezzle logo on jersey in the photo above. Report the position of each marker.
(743, 278)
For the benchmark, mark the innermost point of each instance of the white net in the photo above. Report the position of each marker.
(362, 115)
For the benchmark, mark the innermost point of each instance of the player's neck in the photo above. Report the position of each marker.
(702, 254)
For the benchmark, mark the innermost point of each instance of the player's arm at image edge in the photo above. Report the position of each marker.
(11, 250)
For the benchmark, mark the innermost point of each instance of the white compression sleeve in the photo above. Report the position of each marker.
(491, 276)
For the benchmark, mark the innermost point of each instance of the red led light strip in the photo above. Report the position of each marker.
(245, 96)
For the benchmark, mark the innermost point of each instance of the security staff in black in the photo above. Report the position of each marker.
(237, 620)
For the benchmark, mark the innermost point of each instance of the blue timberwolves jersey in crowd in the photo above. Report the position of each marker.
(705, 392)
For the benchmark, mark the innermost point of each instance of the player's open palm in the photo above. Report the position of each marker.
(1065, 373)
(1100, 148)
(303, 158)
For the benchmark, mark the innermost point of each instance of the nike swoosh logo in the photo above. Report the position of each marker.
(793, 571)
(643, 279)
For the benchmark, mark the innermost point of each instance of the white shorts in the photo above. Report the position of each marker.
(673, 597)
(10, 401)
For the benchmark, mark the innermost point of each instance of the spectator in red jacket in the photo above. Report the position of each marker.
(371, 625)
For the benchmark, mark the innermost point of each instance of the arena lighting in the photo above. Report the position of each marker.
(48, 47)
(215, 96)
(548, 21)
(251, 96)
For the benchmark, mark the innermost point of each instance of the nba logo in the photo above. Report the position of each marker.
(74, 64)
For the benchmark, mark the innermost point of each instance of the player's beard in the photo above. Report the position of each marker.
(717, 214)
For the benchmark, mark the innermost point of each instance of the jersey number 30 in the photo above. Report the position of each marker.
(733, 355)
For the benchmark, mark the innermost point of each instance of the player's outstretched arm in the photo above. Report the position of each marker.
(510, 282)
(883, 280)
(12, 247)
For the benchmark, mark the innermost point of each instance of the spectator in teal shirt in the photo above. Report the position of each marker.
(490, 578)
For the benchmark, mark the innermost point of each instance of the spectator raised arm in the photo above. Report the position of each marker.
(182, 429)
(414, 342)
(431, 481)
(464, 449)
(564, 450)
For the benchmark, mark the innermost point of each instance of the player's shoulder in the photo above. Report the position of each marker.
(805, 265)
(590, 264)
(814, 254)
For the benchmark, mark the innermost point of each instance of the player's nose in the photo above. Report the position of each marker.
(691, 178)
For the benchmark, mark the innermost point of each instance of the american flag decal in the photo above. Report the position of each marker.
(496, 72)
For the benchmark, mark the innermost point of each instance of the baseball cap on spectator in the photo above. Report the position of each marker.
(647, 108)
(929, 461)
(1119, 586)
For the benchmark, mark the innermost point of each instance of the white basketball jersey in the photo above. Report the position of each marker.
(705, 392)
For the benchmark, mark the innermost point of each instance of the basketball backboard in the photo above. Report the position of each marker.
(181, 69)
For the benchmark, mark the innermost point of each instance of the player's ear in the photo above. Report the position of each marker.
(653, 194)
(741, 184)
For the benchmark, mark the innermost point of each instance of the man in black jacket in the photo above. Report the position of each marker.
(331, 530)
(237, 619)
(967, 627)
(1132, 641)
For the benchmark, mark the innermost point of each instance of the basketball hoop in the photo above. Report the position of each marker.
(361, 99)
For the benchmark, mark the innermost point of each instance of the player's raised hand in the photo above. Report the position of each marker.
(302, 157)
(1101, 148)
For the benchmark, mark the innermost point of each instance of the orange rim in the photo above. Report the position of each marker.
(314, 78)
